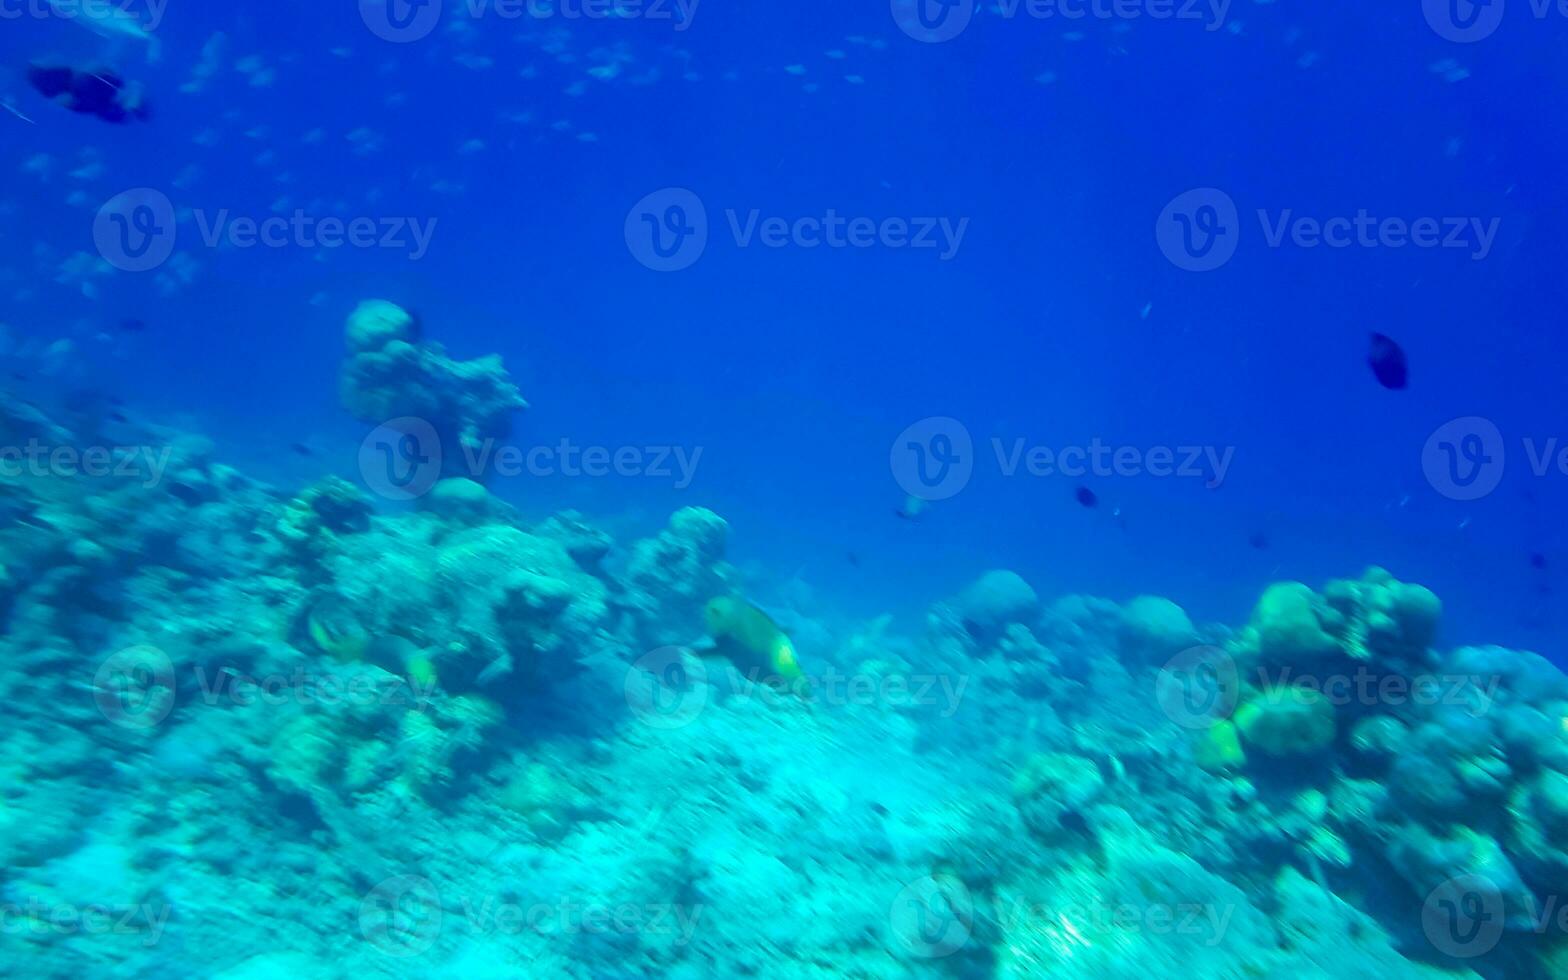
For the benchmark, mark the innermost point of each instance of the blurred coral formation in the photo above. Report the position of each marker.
(299, 733)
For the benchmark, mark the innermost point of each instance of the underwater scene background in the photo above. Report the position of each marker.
(923, 488)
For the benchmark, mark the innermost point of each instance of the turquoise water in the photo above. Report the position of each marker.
(598, 489)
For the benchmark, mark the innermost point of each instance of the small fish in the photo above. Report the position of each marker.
(101, 94)
(1537, 561)
(300, 449)
(749, 638)
(853, 559)
(335, 628)
(133, 325)
(13, 110)
(1086, 497)
(1387, 361)
(1259, 540)
(119, 417)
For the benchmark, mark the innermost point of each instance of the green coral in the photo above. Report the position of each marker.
(1290, 625)
(1375, 619)
(1218, 748)
(1289, 721)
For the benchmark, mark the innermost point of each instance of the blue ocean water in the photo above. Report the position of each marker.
(862, 289)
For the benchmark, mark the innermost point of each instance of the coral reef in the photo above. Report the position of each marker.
(391, 373)
(286, 731)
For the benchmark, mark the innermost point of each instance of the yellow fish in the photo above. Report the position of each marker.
(335, 629)
(748, 638)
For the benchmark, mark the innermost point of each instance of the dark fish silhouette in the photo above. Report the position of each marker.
(1086, 497)
(1259, 541)
(301, 449)
(133, 325)
(90, 92)
(1537, 560)
(1387, 361)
